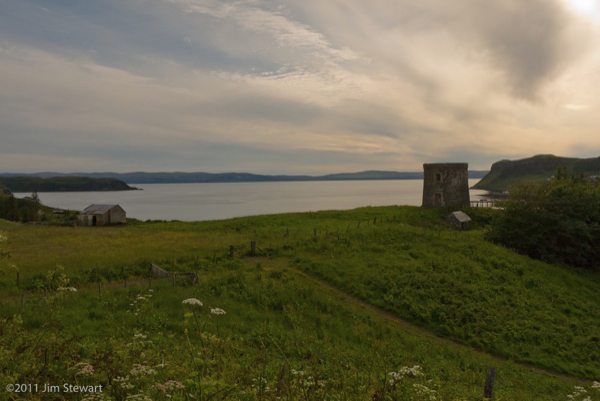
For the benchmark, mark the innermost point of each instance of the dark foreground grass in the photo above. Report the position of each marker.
(282, 337)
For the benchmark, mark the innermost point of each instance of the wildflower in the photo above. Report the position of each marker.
(139, 370)
(124, 381)
(72, 289)
(95, 397)
(139, 397)
(168, 387)
(84, 369)
(424, 391)
(577, 392)
(192, 301)
(217, 311)
(404, 371)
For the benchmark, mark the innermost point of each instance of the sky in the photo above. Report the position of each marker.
(295, 87)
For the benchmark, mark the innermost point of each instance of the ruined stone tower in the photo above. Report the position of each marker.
(446, 184)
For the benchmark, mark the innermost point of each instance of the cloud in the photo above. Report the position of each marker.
(285, 31)
(303, 86)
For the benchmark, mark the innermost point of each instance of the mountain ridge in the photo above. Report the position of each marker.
(141, 177)
(506, 173)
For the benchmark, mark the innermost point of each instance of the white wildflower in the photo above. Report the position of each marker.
(72, 289)
(217, 311)
(192, 301)
(83, 368)
(404, 371)
(139, 370)
(424, 391)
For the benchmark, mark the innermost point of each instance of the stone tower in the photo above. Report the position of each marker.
(446, 185)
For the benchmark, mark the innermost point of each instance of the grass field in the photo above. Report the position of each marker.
(401, 259)
(277, 321)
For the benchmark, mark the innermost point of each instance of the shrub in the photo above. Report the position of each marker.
(556, 221)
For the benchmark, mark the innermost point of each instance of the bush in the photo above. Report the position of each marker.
(556, 221)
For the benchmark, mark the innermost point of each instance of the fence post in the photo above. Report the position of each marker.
(252, 247)
(17, 279)
(99, 288)
(490, 377)
(231, 250)
(173, 276)
(150, 282)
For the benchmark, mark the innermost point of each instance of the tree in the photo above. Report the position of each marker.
(12, 209)
(556, 221)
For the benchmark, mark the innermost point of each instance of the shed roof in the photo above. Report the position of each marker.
(98, 209)
(460, 216)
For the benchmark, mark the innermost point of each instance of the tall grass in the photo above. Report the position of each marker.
(283, 337)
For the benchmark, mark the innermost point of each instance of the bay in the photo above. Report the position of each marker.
(215, 201)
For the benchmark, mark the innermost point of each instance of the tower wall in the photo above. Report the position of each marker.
(446, 185)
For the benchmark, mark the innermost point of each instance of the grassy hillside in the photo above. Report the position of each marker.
(403, 259)
(6, 223)
(282, 336)
(506, 173)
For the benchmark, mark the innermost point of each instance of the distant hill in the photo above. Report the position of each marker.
(181, 177)
(62, 184)
(506, 173)
(4, 190)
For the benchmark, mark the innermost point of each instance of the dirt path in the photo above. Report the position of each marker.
(406, 326)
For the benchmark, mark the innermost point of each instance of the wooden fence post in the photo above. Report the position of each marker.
(490, 377)
(99, 288)
(231, 250)
(17, 279)
(173, 276)
(252, 247)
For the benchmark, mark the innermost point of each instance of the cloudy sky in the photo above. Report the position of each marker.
(297, 87)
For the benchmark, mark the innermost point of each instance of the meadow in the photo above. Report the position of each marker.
(285, 333)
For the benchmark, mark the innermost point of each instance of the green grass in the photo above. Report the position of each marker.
(277, 321)
(463, 288)
(6, 223)
(402, 259)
